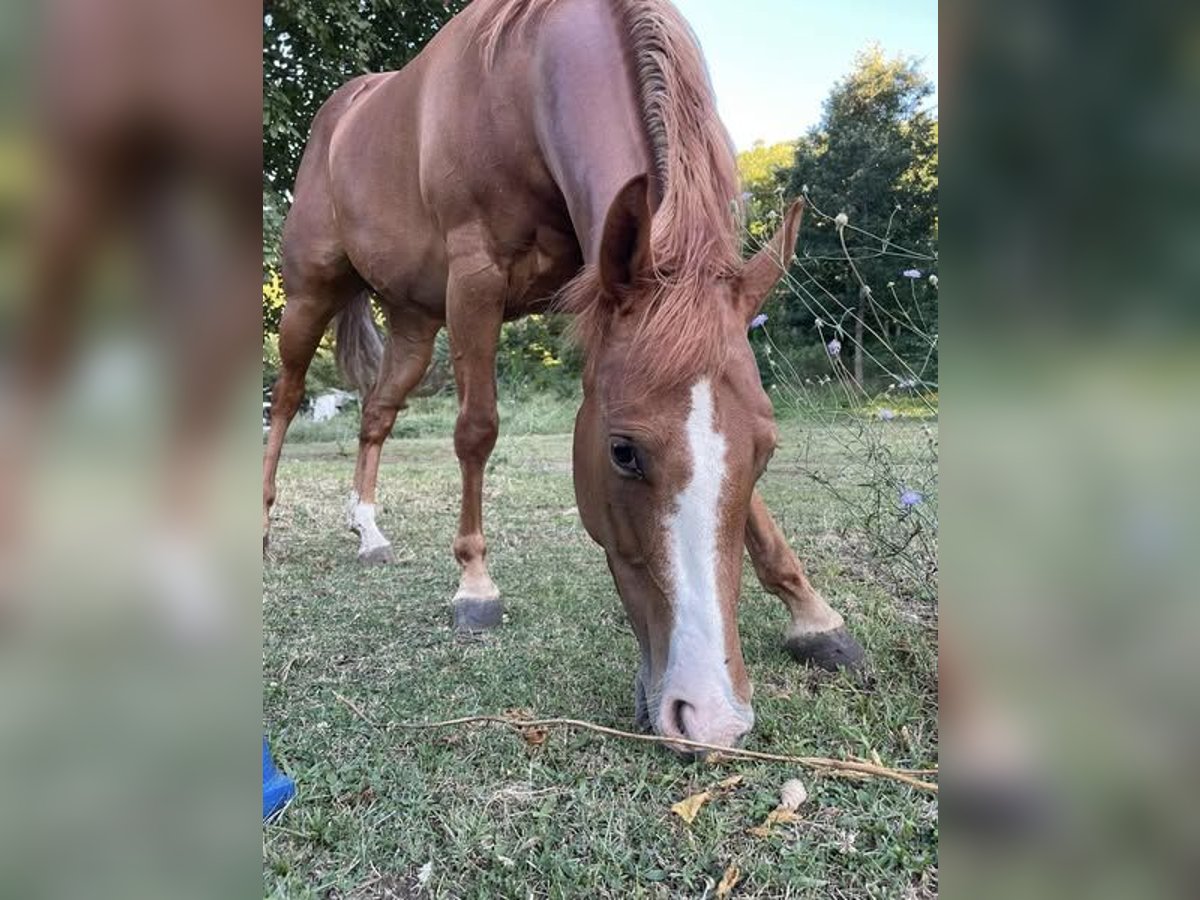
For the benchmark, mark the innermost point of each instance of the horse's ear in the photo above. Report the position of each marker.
(763, 270)
(625, 242)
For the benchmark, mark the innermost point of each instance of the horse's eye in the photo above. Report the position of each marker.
(625, 457)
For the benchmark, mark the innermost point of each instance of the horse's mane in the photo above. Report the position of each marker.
(694, 238)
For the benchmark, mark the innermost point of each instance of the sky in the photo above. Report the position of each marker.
(773, 62)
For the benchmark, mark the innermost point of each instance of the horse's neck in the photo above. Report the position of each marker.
(590, 120)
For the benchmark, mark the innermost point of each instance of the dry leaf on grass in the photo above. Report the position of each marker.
(791, 796)
(728, 881)
(688, 807)
(535, 737)
(774, 817)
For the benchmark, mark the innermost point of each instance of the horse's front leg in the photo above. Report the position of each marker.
(817, 634)
(474, 312)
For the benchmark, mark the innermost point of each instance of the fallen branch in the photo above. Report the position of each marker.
(842, 766)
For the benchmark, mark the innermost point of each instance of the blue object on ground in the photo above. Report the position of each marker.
(278, 789)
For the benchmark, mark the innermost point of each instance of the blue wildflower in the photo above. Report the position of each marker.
(910, 498)
(887, 414)
(834, 347)
(911, 273)
(758, 321)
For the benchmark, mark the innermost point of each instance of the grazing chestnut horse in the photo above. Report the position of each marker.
(566, 148)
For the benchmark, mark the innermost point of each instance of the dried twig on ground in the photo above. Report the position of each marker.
(851, 768)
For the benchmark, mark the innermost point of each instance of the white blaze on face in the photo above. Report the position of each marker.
(698, 634)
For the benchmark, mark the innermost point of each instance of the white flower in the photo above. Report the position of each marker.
(841, 219)
(933, 280)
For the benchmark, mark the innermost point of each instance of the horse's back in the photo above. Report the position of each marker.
(313, 250)
(443, 159)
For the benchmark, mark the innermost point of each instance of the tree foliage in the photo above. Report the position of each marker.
(758, 165)
(311, 49)
(873, 158)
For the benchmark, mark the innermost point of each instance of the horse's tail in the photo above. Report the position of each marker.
(358, 347)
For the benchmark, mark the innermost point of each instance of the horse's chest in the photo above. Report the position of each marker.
(538, 270)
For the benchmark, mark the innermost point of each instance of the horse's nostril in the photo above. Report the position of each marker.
(677, 725)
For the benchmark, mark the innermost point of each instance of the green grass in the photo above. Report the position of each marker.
(434, 417)
(581, 815)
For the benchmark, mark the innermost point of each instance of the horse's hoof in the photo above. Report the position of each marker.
(472, 615)
(377, 556)
(832, 650)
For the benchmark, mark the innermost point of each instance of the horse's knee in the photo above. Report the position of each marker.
(376, 424)
(475, 434)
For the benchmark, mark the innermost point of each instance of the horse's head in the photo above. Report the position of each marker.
(674, 431)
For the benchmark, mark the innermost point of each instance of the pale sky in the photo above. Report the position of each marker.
(774, 61)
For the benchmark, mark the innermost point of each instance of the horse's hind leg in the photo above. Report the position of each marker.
(309, 310)
(817, 634)
(405, 360)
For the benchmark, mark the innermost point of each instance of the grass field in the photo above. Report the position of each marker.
(580, 815)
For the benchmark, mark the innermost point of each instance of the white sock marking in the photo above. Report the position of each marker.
(362, 521)
(698, 636)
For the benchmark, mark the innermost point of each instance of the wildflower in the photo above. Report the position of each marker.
(933, 280)
(891, 284)
(834, 347)
(887, 414)
(840, 220)
(758, 321)
(910, 498)
(911, 273)
(865, 291)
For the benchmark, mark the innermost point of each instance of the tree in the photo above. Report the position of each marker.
(311, 49)
(873, 158)
(759, 169)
